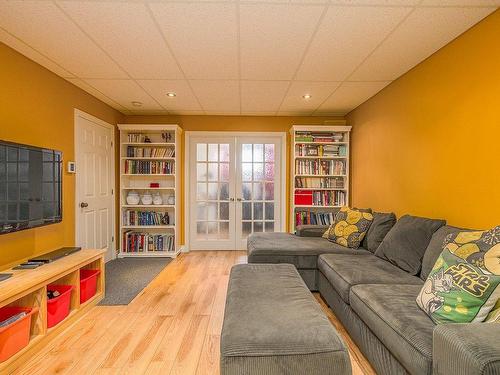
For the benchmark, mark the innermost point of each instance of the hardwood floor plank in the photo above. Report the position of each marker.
(172, 327)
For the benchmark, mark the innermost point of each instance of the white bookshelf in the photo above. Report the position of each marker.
(315, 187)
(134, 159)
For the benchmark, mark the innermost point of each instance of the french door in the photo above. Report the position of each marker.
(234, 189)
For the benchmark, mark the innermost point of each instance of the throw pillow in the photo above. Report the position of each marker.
(464, 284)
(382, 224)
(405, 244)
(350, 227)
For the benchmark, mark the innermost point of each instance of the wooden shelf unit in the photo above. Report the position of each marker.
(28, 288)
(296, 156)
(169, 184)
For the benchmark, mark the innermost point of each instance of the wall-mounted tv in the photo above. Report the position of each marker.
(30, 187)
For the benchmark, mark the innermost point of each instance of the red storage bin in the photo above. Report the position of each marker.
(303, 197)
(16, 335)
(58, 307)
(88, 284)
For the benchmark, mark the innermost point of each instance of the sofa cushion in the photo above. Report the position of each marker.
(302, 252)
(405, 244)
(344, 271)
(350, 227)
(435, 248)
(392, 315)
(381, 225)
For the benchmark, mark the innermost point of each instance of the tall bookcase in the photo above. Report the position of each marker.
(319, 172)
(150, 164)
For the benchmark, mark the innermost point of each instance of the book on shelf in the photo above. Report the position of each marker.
(320, 167)
(138, 242)
(320, 150)
(320, 182)
(146, 218)
(149, 167)
(314, 218)
(150, 152)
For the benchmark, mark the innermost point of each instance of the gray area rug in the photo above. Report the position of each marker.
(127, 277)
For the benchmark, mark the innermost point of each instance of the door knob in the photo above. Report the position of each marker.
(84, 204)
(239, 199)
(231, 199)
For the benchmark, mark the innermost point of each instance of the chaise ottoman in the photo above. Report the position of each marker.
(273, 325)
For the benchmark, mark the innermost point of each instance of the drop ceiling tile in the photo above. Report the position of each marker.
(461, 2)
(424, 32)
(376, 2)
(217, 96)
(319, 91)
(203, 37)
(186, 113)
(96, 93)
(262, 96)
(124, 92)
(184, 100)
(258, 113)
(345, 37)
(295, 113)
(222, 113)
(128, 34)
(45, 28)
(273, 38)
(32, 54)
(349, 95)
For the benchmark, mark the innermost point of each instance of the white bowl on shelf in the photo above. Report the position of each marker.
(147, 199)
(133, 198)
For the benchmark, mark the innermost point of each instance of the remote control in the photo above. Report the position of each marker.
(27, 266)
(5, 276)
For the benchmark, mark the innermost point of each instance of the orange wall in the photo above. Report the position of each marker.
(233, 123)
(428, 144)
(36, 108)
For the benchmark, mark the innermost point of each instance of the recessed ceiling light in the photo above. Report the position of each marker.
(171, 94)
(307, 96)
(137, 104)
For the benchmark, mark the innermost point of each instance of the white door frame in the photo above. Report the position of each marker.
(187, 177)
(80, 114)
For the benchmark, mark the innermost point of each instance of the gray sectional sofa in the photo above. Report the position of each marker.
(375, 299)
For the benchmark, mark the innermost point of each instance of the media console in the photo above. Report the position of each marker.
(28, 288)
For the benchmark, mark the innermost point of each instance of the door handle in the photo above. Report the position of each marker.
(84, 204)
(231, 199)
(239, 199)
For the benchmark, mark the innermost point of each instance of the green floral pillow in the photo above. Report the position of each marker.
(349, 228)
(464, 284)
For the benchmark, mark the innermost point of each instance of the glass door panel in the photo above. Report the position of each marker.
(258, 183)
(213, 219)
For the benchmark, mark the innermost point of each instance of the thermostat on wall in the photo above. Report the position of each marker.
(71, 167)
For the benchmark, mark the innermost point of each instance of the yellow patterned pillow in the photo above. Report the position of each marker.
(349, 228)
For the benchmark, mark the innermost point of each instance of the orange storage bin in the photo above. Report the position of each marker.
(88, 284)
(16, 335)
(58, 307)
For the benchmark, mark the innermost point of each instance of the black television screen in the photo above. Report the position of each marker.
(30, 187)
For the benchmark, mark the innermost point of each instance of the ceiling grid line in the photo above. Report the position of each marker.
(105, 52)
(304, 54)
(366, 57)
(167, 44)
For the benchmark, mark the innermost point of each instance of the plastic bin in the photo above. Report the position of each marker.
(16, 335)
(58, 307)
(88, 284)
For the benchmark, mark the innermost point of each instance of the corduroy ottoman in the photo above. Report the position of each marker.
(273, 325)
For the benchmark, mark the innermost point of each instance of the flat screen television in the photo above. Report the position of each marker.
(30, 187)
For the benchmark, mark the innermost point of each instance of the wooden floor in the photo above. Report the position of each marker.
(172, 327)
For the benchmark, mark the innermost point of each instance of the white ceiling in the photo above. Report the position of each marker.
(255, 57)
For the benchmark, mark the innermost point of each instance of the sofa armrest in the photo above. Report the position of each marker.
(470, 348)
(310, 230)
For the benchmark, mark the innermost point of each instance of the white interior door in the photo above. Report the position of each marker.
(94, 184)
(212, 193)
(258, 184)
(234, 190)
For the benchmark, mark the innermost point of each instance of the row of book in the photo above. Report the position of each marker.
(323, 182)
(133, 217)
(136, 242)
(149, 167)
(328, 198)
(305, 136)
(150, 152)
(314, 218)
(320, 150)
(135, 137)
(320, 167)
